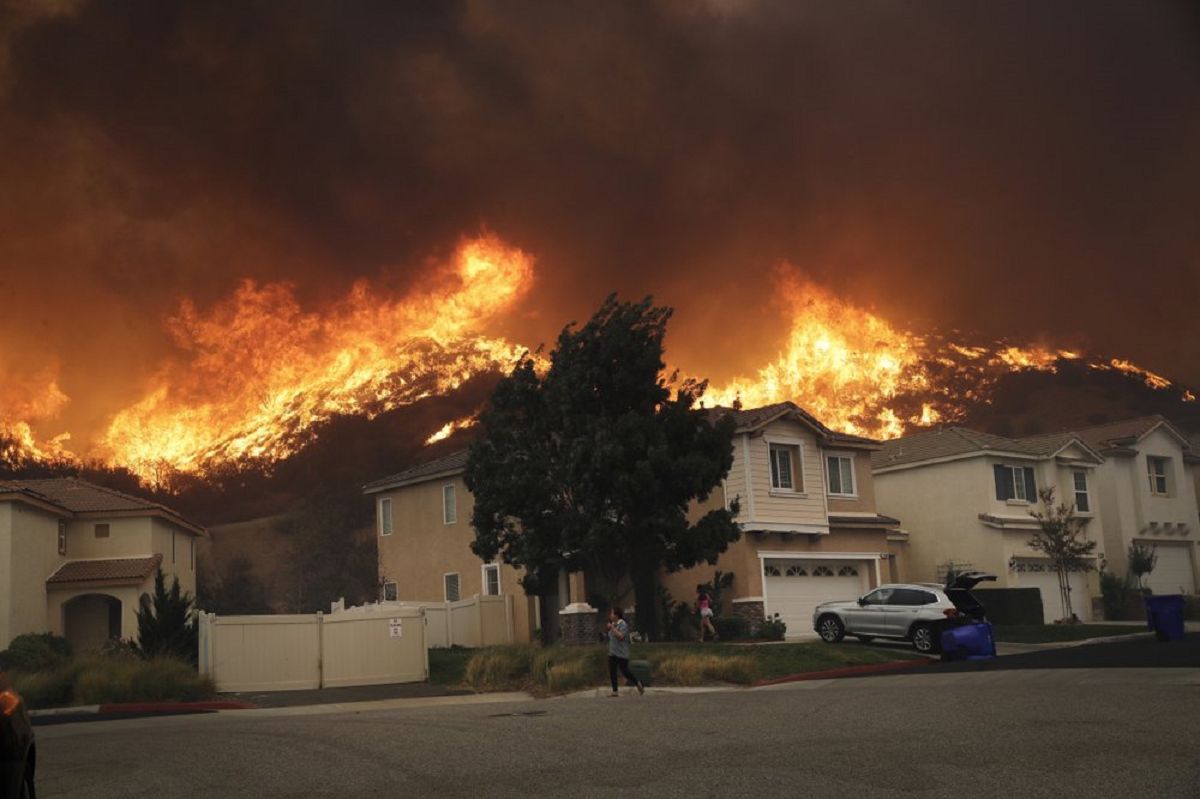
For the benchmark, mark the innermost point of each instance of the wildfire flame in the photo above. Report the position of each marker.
(257, 372)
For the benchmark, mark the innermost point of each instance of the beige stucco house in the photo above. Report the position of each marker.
(1147, 490)
(966, 497)
(807, 510)
(75, 558)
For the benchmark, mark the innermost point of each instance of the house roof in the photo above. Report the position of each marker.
(750, 419)
(81, 497)
(450, 464)
(1113, 435)
(105, 570)
(948, 442)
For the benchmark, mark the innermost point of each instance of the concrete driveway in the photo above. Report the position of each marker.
(1030, 733)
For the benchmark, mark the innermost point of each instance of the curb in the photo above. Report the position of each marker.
(847, 671)
(141, 708)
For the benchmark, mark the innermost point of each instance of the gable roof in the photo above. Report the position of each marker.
(953, 442)
(105, 570)
(1114, 435)
(445, 466)
(76, 496)
(748, 420)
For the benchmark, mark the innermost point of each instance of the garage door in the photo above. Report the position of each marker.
(1038, 575)
(1173, 571)
(793, 588)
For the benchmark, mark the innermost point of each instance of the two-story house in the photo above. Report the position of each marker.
(966, 497)
(75, 558)
(1148, 493)
(807, 509)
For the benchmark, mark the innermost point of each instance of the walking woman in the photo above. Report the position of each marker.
(618, 650)
(706, 613)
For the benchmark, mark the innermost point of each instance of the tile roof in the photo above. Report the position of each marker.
(105, 570)
(748, 419)
(1125, 431)
(79, 496)
(946, 442)
(448, 464)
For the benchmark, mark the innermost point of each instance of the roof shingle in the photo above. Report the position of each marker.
(105, 570)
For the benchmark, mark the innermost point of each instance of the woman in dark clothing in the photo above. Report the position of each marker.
(618, 650)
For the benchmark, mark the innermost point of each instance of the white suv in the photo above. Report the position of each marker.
(916, 612)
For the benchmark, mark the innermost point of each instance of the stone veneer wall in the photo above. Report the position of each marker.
(753, 613)
(580, 625)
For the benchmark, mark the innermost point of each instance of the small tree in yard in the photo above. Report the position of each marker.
(1060, 538)
(166, 627)
(593, 465)
(1142, 560)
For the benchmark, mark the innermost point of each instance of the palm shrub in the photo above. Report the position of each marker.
(166, 626)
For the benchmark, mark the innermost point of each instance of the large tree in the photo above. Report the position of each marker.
(593, 465)
(1060, 538)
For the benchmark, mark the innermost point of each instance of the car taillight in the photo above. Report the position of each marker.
(9, 702)
(950, 612)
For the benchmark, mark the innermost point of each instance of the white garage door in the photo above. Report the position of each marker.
(1047, 582)
(792, 588)
(1173, 571)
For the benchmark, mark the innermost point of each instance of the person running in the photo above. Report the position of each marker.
(618, 651)
(706, 613)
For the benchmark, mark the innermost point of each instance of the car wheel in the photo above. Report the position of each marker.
(924, 639)
(831, 629)
(866, 639)
(27, 789)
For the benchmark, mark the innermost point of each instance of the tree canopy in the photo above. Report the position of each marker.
(594, 464)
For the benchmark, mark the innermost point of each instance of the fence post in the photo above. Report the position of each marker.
(508, 616)
(320, 649)
(205, 661)
(479, 616)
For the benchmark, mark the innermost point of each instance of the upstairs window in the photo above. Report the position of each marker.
(841, 475)
(389, 592)
(450, 581)
(101, 530)
(783, 461)
(1082, 503)
(1015, 482)
(491, 579)
(449, 505)
(1157, 468)
(385, 516)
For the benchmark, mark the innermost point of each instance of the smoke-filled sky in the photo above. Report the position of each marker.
(1023, 169)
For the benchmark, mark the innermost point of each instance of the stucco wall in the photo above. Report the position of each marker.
(127, 538)
(32, 555)
(423, 548)
(804, 506)
(864, 485)
(128, 595)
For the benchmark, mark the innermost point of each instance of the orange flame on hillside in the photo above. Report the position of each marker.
(261, 371)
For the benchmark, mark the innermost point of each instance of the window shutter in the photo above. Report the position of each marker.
(1031, 494)
(1001, 482)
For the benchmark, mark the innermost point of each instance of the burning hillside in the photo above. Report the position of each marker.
(257, 373)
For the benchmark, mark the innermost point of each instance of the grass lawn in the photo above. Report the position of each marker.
(560, 669)
(1049, 633)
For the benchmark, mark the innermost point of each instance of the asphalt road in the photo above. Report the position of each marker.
(1023, 733)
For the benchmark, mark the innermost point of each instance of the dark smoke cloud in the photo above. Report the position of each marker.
(1023, 169)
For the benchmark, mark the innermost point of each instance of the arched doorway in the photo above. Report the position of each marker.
(91, 620)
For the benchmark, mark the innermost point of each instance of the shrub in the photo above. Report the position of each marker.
(570, 676)
(45, 689)
(98, 680)
(772, 629)
(1191, 608)
(166, 626)
(500, 667)
(730, 627)
(701, 669)
(564, 663)
(33, 652)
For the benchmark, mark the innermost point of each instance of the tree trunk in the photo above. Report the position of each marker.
(644, 572)
(1064, 593)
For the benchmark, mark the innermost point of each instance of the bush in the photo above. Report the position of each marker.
(701, 669)
(1121, 598)
(45, 689)
(730, 627)
(99, 680)
(570, 676)
(1008, 607)
(1191, 608)
(34, 652)
(500, 668)
(772, 629)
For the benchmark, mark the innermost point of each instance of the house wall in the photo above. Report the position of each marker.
(127, 538)
(423, 548)
(29, 545)
(128, 595)
(864, 484)
(806, 506)
(176, 545)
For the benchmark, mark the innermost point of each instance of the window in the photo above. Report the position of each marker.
(847, 571)
(449, 505)
(1081, 493)
(822, 571)
(62, 538)
(101, 531)
(841, 475)
(796, 571)
(783, 459)
(771, 571)
(879, 596)
(385, 516)
(491, 579)
(389, 592)
(1015, 482)
(1158, 475)
(910, 597)
(451, 583)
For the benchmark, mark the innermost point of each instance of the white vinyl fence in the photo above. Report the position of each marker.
(287, 653)
(473, 622)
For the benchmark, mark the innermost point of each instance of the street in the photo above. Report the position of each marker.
(1028, 733)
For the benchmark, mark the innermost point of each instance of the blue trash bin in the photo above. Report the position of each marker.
(968, 642)
(1164, 616)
